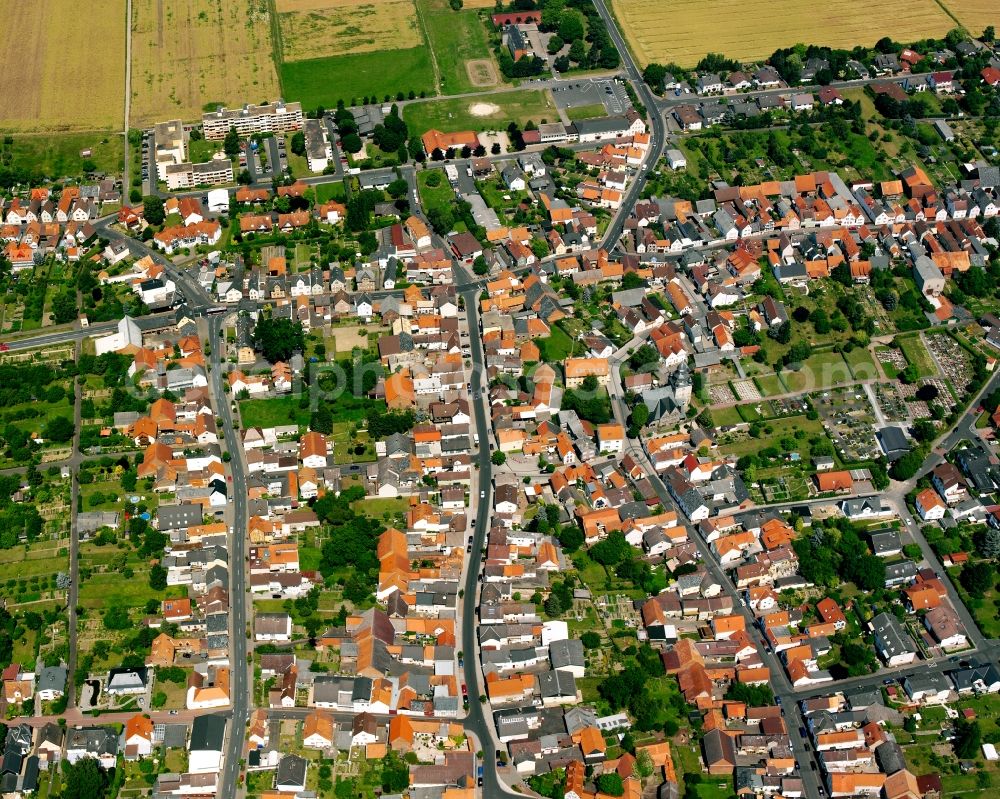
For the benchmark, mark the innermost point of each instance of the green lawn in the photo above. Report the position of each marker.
(109, 589)
(37, 561)
(57, 155)
(330, 191)
(455, 114)
(108, 495)
(749, 412)
(456, 37)
(916, 354)
(588, 688)
(381, 508)
(202, 150)
(24, 647)
(780, 428)
(273, 412)
(345, 448)
(687, 761)
(769, 385)
(439, 196)
(861, 363)
(298, 164)
(725, 417)
(985, 611)
(592, 574)
(921, 759)
(324, 81)
(586, 112)
(348, 408)
(309, 558)
(41, 412)
(890, 371)
(555, 348)
(822, 370)
(715, 787)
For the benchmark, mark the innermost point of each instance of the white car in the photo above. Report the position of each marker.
(482, 495)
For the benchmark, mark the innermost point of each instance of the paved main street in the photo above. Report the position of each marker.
(241, 681)
(477, 719)
(477, 722)
(982, 649)
(778, 678)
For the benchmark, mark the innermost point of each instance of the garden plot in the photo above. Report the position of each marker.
(787, 406)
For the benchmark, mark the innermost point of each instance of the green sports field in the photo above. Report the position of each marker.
(489, 112)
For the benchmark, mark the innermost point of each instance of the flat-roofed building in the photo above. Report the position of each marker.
(273, 117)
(170, 142)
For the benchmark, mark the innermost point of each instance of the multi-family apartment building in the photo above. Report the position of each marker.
(273, 117)
(169, 145)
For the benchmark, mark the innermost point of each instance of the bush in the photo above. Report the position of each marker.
(611, 784)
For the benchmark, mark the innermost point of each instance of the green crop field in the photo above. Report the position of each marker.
(324, 81)
(487, 113)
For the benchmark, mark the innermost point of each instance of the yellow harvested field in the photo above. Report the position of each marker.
(60, 74)
(314, 28)
(975, 15)
(683, 31)
(477, 4)
(189, 53)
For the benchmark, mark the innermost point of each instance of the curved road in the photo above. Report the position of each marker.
(658, 128)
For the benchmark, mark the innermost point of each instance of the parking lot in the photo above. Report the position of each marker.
(605, 91)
